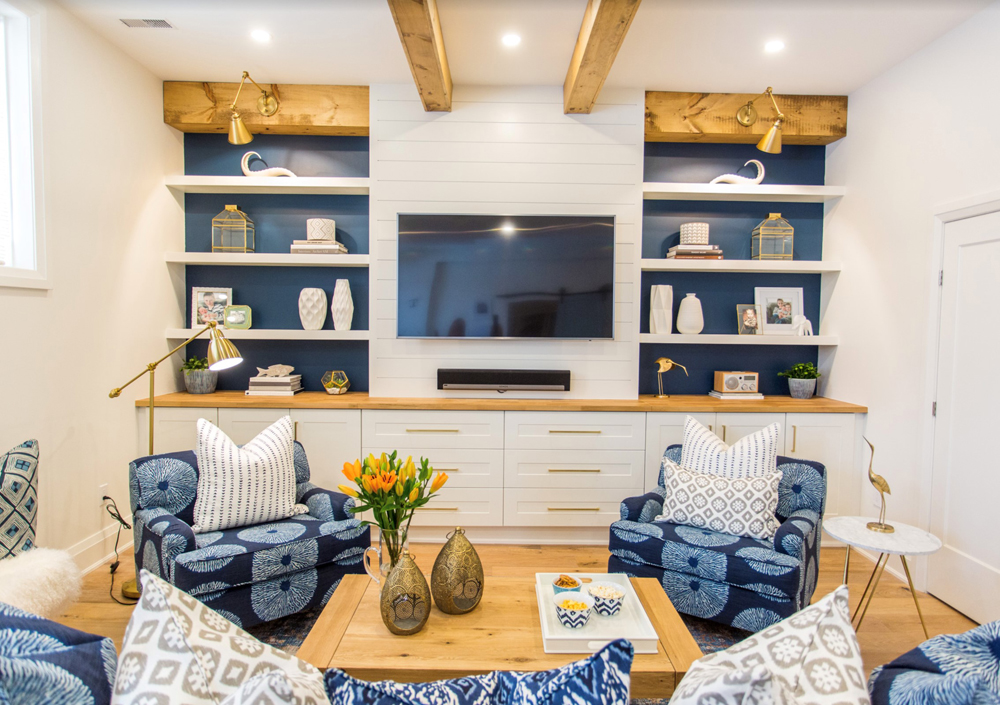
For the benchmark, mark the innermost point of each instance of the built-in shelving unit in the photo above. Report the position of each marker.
(266, 259)
(276, 334)
(741, 266)
(679, 339)
(343, 186)
(668, 191)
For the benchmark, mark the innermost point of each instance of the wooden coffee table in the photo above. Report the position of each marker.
(502, 633)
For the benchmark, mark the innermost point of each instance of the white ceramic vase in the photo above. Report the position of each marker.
(321, 229)
(690, 320)
(312, 308)
(342, 307)
(661, 309)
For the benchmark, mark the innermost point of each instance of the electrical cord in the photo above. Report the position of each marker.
(112, 509)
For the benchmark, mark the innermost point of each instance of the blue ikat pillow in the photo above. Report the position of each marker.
(472, 690)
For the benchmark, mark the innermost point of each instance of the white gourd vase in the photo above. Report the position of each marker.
(312, 308)
(690, 320)
(342, 307)
(661, 309)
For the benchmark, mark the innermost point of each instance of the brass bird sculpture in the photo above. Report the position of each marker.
(665, 365)
(879, 483)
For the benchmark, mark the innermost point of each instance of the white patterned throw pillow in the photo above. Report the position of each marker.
(810, 658)
(742, 506)
(751, 456)
(245, 486)
(177, 651)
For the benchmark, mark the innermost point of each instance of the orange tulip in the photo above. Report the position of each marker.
(369, 483)
(352, 471)
(414, 494)
(439, 480)
(371, 461)
(350, 491)
(387, 480)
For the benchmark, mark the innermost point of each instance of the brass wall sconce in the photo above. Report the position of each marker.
(747, 116)
(665, 365)
(267, 105)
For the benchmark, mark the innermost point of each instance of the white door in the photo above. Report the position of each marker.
(330, 437)
(827, 439)
(663, 429)
(243, 425)
(966, 484)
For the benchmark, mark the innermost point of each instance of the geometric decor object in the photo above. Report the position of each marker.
(336, 382)
(232, 231)
(18, 499)
(661, 309)
(694, 233)
(457, 578)
(312, 308)
(342, 307)
(773, 238)
(321, 229)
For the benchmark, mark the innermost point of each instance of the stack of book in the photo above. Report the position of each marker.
(275, 386)
(735, 395)
(694, 252)
(318, 247)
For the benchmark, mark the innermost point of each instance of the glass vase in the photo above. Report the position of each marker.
(391, 544)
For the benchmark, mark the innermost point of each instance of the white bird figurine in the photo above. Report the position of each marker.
(272, 171)
(275, 371)
(736, 179)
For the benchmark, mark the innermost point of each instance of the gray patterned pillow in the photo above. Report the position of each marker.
(812, 658)
(739, 507)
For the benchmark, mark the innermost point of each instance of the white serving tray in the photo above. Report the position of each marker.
(630, 623)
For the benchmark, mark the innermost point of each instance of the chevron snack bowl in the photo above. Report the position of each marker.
(607, 598)
(573, 608)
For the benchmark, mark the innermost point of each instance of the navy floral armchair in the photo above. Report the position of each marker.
(747, 583)
(250, 574)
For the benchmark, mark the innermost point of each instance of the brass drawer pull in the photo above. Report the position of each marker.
(445, 469)
(574, 469)
(561, 431)
(795, 435)
(574, 509)
(440, 509)
(432, 430)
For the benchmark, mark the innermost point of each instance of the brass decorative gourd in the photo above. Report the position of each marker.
(405, 603)
(457, 579)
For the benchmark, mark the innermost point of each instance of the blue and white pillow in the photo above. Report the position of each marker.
(45, 662)
(18, 499)
(755, 455)
(471, 690)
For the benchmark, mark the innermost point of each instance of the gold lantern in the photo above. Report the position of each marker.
(405, 601)
(457, 579)
(773, 238)
(232, 231)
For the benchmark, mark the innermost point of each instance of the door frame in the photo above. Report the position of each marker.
(944, 213)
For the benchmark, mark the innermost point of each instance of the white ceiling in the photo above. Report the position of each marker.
(833, 46)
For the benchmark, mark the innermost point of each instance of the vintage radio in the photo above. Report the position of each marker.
(736, 382)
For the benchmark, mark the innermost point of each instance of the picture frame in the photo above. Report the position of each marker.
(779, 306)
(208, 303)
(237, 318)
(748, 319)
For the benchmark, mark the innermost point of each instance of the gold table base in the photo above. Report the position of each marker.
(873, 580)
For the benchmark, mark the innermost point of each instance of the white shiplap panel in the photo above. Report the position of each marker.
(505, 150)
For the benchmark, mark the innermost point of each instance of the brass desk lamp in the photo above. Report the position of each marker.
(222, 355)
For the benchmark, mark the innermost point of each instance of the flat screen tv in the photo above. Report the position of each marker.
(499, 276)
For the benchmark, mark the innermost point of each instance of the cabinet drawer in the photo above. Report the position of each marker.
(538, 507)
(458, 506)
(388, 430)
(465, 468)
(574, 469)
(575, 430)
(664, 429)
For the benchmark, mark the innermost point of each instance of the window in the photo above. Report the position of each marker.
(22, 251)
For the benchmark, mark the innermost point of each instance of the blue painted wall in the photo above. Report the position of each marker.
(305, 155)
(700, 163)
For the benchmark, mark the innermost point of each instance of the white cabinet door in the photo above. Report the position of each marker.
(330, 437)
(175, 429)
(243, 425)
(827, 439)
(464, 467)
(731, 427)
(389, 429)
(665, 429)
(460, 506)
(574, 430)
(547, 507)
(574, 469)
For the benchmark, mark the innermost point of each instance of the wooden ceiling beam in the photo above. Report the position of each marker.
(605, 24)
(711, 118)
(193, 106)
(420, 32)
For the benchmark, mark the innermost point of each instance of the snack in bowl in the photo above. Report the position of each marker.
(573, 608)
(564, 583)
(608, 598)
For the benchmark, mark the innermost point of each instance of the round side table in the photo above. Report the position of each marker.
(905, 541)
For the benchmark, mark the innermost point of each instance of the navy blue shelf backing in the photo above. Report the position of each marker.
(305, 155)
(689, 162)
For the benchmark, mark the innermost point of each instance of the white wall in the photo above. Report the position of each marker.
(506, 151)
(922, 134)
(108, 221)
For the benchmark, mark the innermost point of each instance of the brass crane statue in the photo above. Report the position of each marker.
(879, 483)
(666, 364)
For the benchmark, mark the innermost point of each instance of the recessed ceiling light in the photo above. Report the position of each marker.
(774, 46)
(511, 40)
(260, 35)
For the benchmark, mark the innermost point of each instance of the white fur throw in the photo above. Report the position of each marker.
(42, 581)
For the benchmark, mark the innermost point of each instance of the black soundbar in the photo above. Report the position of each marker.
(503, 380)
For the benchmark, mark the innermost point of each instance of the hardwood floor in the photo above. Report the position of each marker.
(890, 627)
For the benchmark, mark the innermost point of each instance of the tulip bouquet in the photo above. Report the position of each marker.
(392, 489)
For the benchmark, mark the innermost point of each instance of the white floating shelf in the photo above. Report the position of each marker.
(266, 259)
(740, 265)
(268, 184)
(665, 191)
(678, 339)
(275, 334)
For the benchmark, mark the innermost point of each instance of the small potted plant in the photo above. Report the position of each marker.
(801, 379)
(198, 379)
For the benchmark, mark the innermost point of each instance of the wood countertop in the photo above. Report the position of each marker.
(646, 402)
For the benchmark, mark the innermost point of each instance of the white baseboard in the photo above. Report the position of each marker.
(97, 550)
